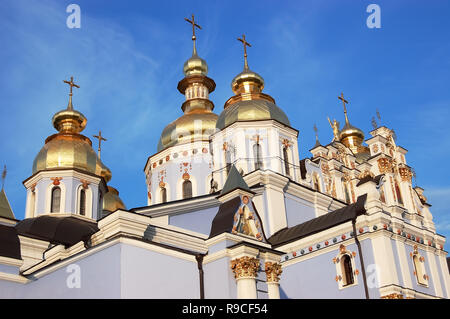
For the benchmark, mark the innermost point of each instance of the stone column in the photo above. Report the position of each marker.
(245, 271)
(273, 272)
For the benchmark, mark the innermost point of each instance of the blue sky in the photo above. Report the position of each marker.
(128, 57)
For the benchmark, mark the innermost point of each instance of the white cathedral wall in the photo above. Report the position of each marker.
(198, 221)
(55, 284)
(152, 274)
(219, 279)
(298, 210)
(240, 138)
(314, 276)
(198, 166)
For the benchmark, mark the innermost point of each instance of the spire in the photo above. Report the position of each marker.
(100, 139)
(245, 44)
(234, 181)
(344, 102)
(72, 84)
(5, 207)
(317, 136)
(4, 176)
(69, 121)
(194, 38)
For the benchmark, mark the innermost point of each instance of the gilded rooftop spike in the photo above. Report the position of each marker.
(72, 84)
(100, 139)
(194, 38)
(246, 44)
(4, 176)
(344, 102)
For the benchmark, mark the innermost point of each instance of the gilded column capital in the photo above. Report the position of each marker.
(273, 271)
(405, 174)
(245, 267)
(392, 296)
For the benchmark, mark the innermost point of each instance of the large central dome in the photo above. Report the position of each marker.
(251, 110)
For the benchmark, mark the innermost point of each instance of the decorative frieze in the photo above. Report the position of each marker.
(384, 165)
(393, 296)
(273, 271)
(245, 267)
(405, 174)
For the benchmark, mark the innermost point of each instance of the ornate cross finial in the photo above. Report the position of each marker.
(316, 131)
(72, 84)
(100, 139)
(374, 123)
(4, 176)
(344, 102)
(246, 44)
(194, 25)
(378, 115)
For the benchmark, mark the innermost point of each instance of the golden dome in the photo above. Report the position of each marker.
(247, 82)
(193, 126)
(353, 137)
(112, 201)
(249, 103)
(68, 148)
(195, 66)
(251, 110)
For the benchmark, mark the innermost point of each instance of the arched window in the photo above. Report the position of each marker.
(398, 193)
(286, 161)
(83, 202)
(347, 270)
(187, 189)
(55, 200)
(257, 152)
(163, 195)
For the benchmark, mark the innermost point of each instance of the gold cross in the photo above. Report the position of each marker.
(344, 102)
(194, 25)
(100, 139)
(72, 84)
(245, 43)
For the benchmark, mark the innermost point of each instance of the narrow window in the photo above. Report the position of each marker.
(82, 202)
(187, 189)
(399, 194)
(56, 200)
(347, 270)
(286, 161)
(257, 152)
(163, 195)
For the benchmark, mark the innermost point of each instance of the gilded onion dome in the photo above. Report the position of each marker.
(249, 103)
(198, 121)
(112, 201)
(352, 137)
(68, 148)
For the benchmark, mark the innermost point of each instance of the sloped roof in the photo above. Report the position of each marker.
(57, 230)
(319, 224)
(5, 207)
(234, 181)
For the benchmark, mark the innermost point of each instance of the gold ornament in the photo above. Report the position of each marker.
(245, 267)
(273, 271)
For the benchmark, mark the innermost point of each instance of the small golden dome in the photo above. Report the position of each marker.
(195, 66)
(352, 137)
(64, 150)
(105, 172)
(69, 121)
(197, 125)
(247, 82)
(112, 201)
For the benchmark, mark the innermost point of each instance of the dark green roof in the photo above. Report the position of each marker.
(5, 208)
(234, 181)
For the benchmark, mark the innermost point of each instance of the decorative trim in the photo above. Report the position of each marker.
(245, 267)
